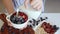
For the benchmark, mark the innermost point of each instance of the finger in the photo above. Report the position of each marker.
(39, 7)
(33, 2)
(26, 3)
(36, 5)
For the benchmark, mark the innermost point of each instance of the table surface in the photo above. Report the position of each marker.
(52, 17)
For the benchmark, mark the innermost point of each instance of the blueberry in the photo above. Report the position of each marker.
(13, 19)
(37, 23)
(42, 19)
(22, 21)
(55, 27)
(33, 24)
(30, 21)
(20, 18)
(30, 25)
(34, 20)
(46, 17)
(17, 20)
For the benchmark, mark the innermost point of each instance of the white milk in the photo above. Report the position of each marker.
(32, 13)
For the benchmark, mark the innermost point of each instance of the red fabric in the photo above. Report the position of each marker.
(10, 30)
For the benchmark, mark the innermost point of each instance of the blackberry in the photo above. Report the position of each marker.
(55, 27)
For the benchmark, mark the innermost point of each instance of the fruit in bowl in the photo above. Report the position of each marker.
(19, 21)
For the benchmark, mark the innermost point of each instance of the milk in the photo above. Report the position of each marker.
(32, 13)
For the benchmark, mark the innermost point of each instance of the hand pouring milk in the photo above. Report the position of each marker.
(32, 13)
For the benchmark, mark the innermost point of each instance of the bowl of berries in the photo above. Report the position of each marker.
(19, 20)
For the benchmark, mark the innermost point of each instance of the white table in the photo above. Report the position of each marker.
(53, 17)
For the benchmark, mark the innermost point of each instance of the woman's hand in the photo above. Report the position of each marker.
(8, 4)
(36, 4)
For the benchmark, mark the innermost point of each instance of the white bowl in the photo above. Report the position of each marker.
(18, 26)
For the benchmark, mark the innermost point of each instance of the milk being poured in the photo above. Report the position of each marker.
(32, 13)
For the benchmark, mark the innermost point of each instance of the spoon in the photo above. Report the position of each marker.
(17, 12)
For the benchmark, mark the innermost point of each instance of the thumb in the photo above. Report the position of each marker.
(26, 3)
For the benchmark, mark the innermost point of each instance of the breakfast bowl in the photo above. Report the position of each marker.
(19, 21)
